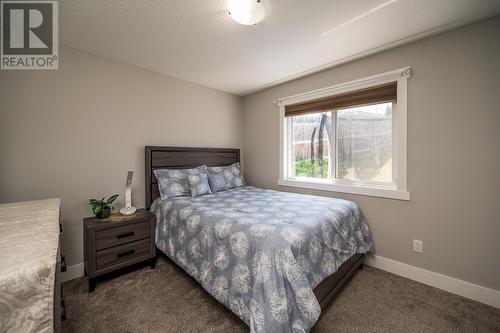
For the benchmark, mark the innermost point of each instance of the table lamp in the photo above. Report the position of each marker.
(128, 209)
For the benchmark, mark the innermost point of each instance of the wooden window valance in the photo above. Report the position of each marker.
(373, 95)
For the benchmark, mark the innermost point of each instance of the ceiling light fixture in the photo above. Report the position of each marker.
(247, 12)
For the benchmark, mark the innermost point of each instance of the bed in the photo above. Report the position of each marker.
(273, 258)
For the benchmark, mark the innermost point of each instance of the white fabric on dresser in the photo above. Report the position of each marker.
(29, 239)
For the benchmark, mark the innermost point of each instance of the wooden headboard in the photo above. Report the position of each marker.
(182, 158)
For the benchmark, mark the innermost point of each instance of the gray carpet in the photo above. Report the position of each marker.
(167, 300)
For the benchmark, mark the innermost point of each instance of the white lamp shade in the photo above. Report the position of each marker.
(247, 12)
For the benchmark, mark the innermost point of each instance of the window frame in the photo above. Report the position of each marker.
(396, 190)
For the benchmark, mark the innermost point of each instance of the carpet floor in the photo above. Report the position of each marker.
(166, 299)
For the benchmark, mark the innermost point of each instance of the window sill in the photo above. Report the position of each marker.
(389, 192)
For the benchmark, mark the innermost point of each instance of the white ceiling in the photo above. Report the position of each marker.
(196, 40)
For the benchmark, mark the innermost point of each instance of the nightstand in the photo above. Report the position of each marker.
(117, 242)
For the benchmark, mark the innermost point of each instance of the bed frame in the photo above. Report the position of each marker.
(182, 157)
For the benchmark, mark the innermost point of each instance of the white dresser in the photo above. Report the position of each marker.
(29, 266)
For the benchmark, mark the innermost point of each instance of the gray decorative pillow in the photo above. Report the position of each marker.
(174, 183)
(199, 184)
(217, 182)
(231, 173)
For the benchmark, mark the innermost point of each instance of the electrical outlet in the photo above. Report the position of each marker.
(418, 246)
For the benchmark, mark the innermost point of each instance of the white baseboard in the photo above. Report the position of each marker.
(72, 272)
(440, 281)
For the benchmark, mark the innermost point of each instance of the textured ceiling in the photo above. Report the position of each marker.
(196, 40)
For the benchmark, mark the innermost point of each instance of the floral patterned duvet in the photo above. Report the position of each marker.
(261, 252)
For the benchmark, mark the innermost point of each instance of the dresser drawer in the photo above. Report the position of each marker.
(122, 234)
(124, 254)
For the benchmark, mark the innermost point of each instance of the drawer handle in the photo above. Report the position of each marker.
(126, 234)
(126, 253)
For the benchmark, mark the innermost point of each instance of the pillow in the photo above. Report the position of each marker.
(234, 168)
(174, 183)
(199, 184)
(232, 177)
(217, 182)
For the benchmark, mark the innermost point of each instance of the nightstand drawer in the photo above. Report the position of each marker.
(123, 254)
(122, 234)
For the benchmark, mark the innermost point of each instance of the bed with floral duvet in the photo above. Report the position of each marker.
(261, 252)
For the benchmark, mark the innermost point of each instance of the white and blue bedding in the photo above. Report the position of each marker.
(262, 252)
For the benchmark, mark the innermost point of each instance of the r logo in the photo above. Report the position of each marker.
(29, 28)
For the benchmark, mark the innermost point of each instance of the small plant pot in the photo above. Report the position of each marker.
(104, 213)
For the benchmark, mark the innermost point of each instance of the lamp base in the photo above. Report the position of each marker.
(127, 210)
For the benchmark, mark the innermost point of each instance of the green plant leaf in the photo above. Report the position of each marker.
(97, 209)
(112, 199)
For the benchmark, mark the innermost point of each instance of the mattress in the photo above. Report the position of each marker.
(29, 240)
(261, 252)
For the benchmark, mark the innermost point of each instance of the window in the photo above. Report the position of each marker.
(349, 138)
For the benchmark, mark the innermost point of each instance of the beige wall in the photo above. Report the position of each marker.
(75, 132)
(453, 151)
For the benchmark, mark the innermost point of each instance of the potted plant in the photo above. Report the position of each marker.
(102, 208)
